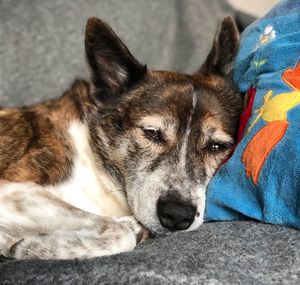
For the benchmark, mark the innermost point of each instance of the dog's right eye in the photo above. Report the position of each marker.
(154, 135)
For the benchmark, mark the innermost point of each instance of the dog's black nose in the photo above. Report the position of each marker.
(175, 215)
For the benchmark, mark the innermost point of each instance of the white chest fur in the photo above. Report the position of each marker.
(90, 187)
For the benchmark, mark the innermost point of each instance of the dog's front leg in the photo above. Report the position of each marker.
(106, 237)
(35, 224)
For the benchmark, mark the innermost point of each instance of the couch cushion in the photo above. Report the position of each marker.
(216, 253)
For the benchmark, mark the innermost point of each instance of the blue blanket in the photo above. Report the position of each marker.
(262, 179)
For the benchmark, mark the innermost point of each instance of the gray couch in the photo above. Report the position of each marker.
(41, 52)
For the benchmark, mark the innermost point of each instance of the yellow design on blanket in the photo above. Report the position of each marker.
(276, 108)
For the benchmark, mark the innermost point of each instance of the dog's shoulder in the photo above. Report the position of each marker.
(34, 141)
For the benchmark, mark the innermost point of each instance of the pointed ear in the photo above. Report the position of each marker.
(112, 67)
(225, 47)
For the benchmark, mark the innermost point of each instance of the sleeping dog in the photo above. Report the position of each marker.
(130, 152)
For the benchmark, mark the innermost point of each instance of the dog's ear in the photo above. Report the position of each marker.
(225, 47)
(112, 67)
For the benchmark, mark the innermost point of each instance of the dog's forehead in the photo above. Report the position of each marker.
(171, 94)
(167, 100)
(170, 87)
(165, 93)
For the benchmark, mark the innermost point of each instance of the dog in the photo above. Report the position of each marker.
(126, 154)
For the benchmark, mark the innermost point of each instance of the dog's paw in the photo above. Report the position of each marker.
(130, 222)
(140, 232)
(142, 235)
(5, 259)
(33, 247)
(16, 250)
(25, 249)
(6, 243)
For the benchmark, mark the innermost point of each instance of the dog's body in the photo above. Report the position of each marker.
(85, 174)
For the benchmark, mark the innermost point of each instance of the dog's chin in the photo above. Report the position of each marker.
(155, 230)
(158, 230)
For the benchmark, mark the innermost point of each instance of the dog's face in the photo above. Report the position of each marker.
(162, 135)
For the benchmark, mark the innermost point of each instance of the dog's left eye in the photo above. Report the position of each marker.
(155, 135)
(215, 147)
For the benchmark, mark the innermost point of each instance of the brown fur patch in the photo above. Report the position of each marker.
(34, 143)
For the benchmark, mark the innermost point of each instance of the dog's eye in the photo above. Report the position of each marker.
(216, 147)
(154, 135)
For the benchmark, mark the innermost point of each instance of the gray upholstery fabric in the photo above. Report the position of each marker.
(41, 52)
(217, 253)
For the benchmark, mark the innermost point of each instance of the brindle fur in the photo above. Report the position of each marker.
(38, 155)
(34, 146)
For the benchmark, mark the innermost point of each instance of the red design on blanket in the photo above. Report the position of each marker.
(246, 114)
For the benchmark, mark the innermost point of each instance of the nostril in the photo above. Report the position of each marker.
(166, 216)
(167, 221)
(183, 225)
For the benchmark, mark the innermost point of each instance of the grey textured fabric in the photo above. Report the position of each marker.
(217, 253)
(42, 51)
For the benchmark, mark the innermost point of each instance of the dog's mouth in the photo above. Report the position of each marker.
(173, 216)
(172, 226)
(167, 211)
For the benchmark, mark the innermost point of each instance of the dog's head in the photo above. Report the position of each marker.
(162, 135)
